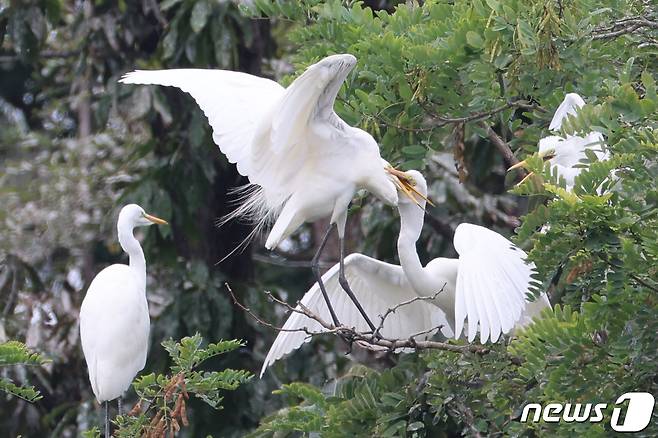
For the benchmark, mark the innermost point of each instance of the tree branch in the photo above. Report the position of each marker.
(503, 148)
(365, 339)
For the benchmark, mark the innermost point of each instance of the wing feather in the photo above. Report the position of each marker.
(570, 105)
(378, 286)
(260, 126)
(233, 102)
(492, 282)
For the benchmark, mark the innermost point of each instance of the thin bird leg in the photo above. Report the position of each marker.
(107, 419)
(119, 405)
(346, 287)
(315, 267)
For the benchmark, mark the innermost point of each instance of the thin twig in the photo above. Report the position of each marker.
(391, 310)
(442, 120)
(623, 26)
(365, 339)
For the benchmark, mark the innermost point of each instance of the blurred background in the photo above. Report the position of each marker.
(75, 146)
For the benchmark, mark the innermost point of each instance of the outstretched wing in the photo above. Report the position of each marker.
(259, 125)
(492, 282)
(378, 286)
(233, 102)
(570, 105)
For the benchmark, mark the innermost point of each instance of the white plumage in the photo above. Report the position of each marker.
(567, 152)
(305, 160)
(486, 287)
(114, 317)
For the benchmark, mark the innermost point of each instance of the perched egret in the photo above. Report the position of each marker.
(565, 152)
(114, 317)
(302, 160)
(487, 285)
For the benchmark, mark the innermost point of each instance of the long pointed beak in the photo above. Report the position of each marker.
(405, 184)
(156, 220)
(518, 165)
(525, 178)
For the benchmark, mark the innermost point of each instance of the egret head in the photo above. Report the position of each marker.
(548, 151)
(132, 215)
(411, 186)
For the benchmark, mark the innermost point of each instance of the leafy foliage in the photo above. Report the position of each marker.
(423, 71)
(14, 353)
(162, 405)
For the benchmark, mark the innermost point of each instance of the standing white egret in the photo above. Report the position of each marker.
(487, 285)
(302, 160)
(565, 152)
(114, 316)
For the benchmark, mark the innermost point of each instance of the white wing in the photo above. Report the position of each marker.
(378, 286)
(233, 102)
(259, 125)
(492, 282)
(570, 105)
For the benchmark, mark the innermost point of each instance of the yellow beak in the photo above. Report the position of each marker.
(518, 165)
(406, 185)
(525, 178)
(156, 220)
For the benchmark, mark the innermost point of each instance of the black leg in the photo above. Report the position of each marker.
(107, 419)
(346, 287)
(315, 266)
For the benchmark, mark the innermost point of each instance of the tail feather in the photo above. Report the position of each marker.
(251, 207)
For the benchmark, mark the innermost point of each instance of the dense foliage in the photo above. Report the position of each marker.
(15, 354)
(458, 90)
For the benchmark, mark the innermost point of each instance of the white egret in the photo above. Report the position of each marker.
(302, 160)
(566, 152)
(114, 316)
(487, 285)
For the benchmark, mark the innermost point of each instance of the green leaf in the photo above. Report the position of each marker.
(199, 16)
(474, 39)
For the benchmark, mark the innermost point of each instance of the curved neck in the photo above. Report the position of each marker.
(411, 224)
(134, 250)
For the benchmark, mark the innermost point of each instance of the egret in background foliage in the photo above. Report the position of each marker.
(114, 316)
(302, 160)
(566, 152)
(487, 286)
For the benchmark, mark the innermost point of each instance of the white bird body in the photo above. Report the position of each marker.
(487, 285)
(114, 316)
(114, 328)
(569, 151)
(307, 162)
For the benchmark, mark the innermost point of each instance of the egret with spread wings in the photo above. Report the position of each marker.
(302, 160)
(486, 286)
(566, 152)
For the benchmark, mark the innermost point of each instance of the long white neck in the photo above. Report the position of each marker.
(132, 247)
(411, 224)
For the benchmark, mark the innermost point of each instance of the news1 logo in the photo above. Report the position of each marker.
(637, 418)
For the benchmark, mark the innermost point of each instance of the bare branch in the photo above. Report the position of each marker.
(366, 339)
(442, 120)
(391, 310)
(624, 26)
(503, 148)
